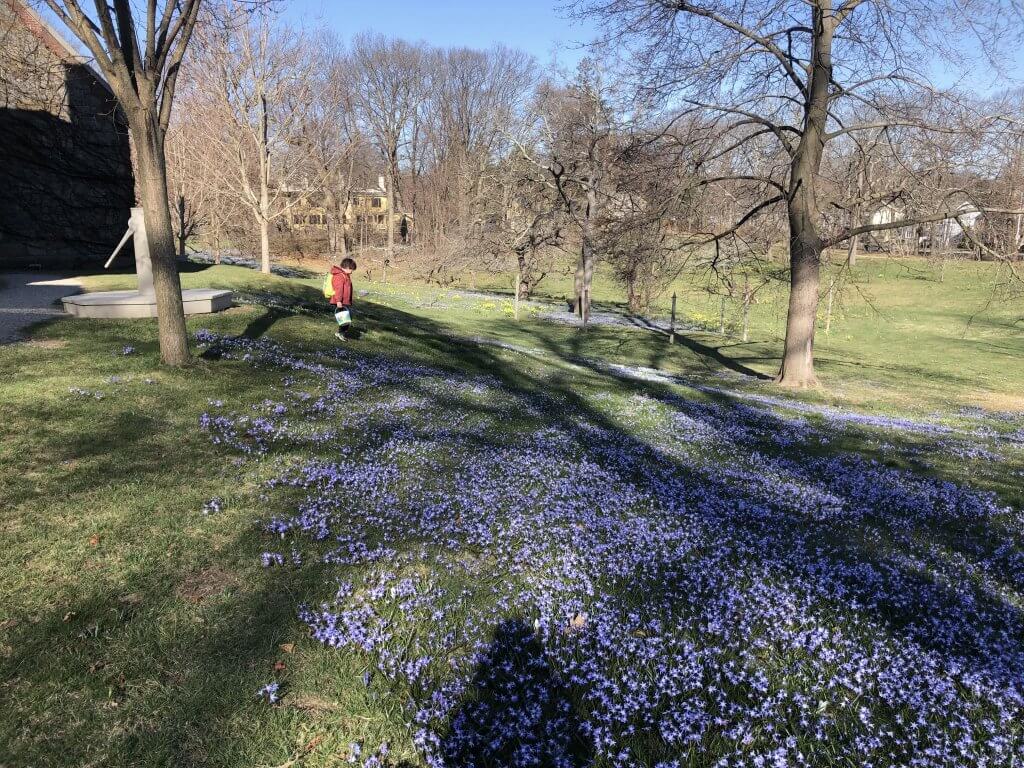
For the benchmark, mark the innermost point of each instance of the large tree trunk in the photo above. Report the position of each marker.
(805, 244)
(805, 264)
(160, 234)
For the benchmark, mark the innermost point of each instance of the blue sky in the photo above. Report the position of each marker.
(538, 27)
(535, 26)
(543, 29)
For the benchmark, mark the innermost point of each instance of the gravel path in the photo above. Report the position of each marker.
(27, 298)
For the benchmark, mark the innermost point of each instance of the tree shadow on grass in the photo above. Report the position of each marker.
(261, 324)
(517, 712)
(515, 704)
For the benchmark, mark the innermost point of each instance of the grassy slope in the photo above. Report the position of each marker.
(898, 332)
(139, 628)
(900, 339)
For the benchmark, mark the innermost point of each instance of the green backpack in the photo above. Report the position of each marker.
(328, 286)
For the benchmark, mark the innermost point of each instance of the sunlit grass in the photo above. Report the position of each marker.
(138, 628)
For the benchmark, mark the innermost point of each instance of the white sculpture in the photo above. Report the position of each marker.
(143, 265)
(141, 302)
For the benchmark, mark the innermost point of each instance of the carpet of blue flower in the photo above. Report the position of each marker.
(657, 578)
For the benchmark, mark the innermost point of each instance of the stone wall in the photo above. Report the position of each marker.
(66, 183)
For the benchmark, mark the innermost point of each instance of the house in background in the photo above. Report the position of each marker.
(66, 181)
(365, 216)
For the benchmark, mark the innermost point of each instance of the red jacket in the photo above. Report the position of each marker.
(342, 285)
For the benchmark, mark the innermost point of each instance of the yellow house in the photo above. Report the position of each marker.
(365, 216)
(367, 212)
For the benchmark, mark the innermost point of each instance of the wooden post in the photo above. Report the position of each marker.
(672, 322)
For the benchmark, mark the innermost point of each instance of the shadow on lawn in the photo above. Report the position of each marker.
(905, 598)
(517, 711)
(204, 674)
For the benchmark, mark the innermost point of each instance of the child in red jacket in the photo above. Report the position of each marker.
(341, 281)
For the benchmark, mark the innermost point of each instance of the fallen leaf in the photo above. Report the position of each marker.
(279, 666)
(94, 540)
(577, 622)
(288, 647)
(69, 616)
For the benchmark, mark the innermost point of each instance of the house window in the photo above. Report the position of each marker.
(296, 219)
(376, 202)
(380, 219)
(357, 200)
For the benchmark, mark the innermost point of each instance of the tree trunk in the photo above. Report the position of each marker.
(264, 187)
(172, 333)
(588, 255)
(798, 359)
(389, 252)
(517, 289)
(334, 222)
(342, 235)
(577, 288)
(264, 245)
(851, 251)
(182, 230)
(633, 298)
(805, 246)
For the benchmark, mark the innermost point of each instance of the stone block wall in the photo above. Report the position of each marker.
(66, 182)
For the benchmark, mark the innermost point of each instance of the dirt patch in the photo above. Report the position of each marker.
(46, 343)
(206, 583)
(998, 401)
(311, 704)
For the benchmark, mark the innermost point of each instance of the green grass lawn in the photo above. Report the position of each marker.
(900, 340)
(898, 332)
(137, 627)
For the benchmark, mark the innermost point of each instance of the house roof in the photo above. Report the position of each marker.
(49, 36)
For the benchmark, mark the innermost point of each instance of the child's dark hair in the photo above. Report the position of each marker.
(348, 264)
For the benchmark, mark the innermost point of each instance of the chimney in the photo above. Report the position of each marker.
(380, 184)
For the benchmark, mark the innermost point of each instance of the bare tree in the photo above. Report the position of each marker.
(576, 149)
(389, 85)
(190, 178)
(141, 61)
(477, 98)
(331, 139)
(258, 79)
(789, 71)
